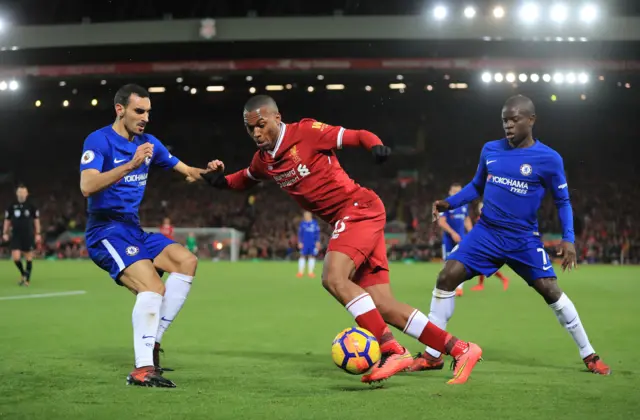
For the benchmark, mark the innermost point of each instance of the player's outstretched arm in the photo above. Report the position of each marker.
(472, 190)
(190, 173)
(241, 180)
(93, 181)
(333, 137)
(367, 140)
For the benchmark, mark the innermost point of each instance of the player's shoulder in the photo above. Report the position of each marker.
(146, 137)
(544, 148)
(99, 136)
(494, 145)
(310, 123)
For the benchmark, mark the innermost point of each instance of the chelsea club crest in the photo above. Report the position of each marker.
(526, 169)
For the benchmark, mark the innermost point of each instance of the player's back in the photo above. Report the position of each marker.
(516, 181)
(304, 164)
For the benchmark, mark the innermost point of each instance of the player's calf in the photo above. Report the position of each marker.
(568, 317)
(182, 266)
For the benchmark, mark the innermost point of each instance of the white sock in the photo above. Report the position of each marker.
(312, 264)
(442, 305)
(459, 286)
(177, 289)
(145, 317)
(301, 265)
(568, 317)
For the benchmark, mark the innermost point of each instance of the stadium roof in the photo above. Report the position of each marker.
(32, 12)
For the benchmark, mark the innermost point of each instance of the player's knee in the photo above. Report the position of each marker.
(445, 281)
(549, 290)
(158, 288)
(188, 264)
(451, 276)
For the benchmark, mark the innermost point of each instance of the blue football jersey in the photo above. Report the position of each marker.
(514, 182)
(104, 150)
(309, 233)
(455, 218)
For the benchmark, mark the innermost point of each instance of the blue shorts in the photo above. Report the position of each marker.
(309, 251)
(115, 246)
(485, 250)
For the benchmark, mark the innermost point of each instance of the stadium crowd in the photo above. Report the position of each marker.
(430, 154)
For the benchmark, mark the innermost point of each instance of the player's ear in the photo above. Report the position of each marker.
(120, 110)
(278, 117)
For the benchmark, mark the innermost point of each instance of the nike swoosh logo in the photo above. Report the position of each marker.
(491, 161)
(148, 336)
(118, 160)
(547, 268)
(165, 319)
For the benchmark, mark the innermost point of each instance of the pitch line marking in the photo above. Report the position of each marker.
(44, 295)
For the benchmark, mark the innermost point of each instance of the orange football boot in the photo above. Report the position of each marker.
(459, 292)
(148, 376)
(478, 288)
(596, 365)
(395, 358)
(425, 361)
(312, 275)
(299, 275)
(464, 364)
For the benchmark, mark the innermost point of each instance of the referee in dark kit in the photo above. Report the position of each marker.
(22, 224)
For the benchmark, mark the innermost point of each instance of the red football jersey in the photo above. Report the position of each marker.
(304, 164)
(167, 230)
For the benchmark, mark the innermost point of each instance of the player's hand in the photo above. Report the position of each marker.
(381, 153)
(569, 259)
(437, 208)
(216, 166)
(143, 152)
(456, 237)
(5, 238)
(299, 245)
(38, 239)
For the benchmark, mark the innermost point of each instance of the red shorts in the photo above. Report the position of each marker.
(359, 233)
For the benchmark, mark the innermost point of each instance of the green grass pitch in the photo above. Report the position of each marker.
(253, 342)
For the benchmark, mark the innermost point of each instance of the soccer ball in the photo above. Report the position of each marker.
(355, 350)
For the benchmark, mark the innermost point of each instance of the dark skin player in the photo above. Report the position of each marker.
(518, 119)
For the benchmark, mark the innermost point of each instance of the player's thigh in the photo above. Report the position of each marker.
(16, 254)
(338, 267)
(358, 236)
(530, 261)
(174, 258)
(118, 250)
(141, 276)
(479, 253)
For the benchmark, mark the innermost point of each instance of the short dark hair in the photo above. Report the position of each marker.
(21, 185)
(259, 101)
(456, 184)
(522, 102)
(124, 93)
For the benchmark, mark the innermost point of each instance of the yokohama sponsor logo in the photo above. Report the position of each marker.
(508, 181)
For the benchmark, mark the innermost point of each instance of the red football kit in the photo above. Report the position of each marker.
(304, 164)
(167, 230)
